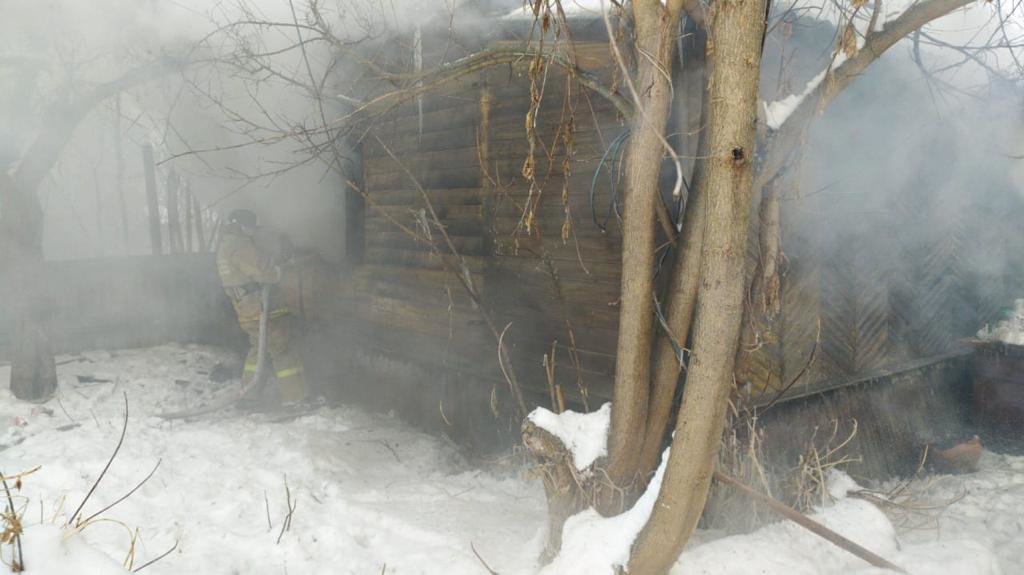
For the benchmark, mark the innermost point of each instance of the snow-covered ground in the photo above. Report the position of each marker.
(370, 492)
(372, 495)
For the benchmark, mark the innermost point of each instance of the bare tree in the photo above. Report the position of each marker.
(33, 374)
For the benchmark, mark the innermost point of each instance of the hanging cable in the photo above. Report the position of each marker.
(613, 151)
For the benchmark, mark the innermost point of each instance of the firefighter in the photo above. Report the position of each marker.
(244, 268)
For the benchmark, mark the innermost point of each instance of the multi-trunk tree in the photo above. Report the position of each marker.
(705, 294)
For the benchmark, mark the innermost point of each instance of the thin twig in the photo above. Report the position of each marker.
(291, 505)
(124, 429)
(159, 557)
(126, 495)
(482, 562)
(266, 502)
(799, 376)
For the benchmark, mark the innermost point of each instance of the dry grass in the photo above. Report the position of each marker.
(908, 504)
(741, 457)
(823, 453)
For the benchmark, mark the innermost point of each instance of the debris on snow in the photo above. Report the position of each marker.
(585, 435)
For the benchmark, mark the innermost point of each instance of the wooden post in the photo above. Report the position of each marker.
(186, 197)
(200, 232)
(153, 206)
(173, 215)
(99, 209)
(119, 153)
(810, 524)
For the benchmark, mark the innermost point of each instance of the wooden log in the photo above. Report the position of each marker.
(810, 524)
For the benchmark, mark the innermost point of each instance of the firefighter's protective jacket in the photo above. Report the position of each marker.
(243, 268)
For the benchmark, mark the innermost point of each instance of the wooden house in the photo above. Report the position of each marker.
(545, 257)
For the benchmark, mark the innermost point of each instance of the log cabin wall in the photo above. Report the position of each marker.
(542, 266)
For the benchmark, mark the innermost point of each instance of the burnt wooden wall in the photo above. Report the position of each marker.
(896, 289)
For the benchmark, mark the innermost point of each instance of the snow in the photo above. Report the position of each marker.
(52, 550)
(1009, 330)
(585, 435)
(786, 549)
(776, 113)
(371, 492)
(595, 545)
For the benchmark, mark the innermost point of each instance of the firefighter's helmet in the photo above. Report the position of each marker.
(242, 219)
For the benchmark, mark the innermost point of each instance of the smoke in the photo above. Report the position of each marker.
(233, 123)
(901, 160)
(908, 179)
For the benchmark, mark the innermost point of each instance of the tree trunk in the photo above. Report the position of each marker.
(656, 28)
(758, 361)
(562, 484)
(33, 372)
(682, 289)
(735, 37)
